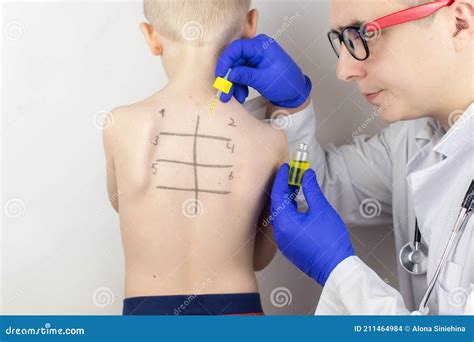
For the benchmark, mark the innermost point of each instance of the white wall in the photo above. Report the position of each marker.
(64, 65)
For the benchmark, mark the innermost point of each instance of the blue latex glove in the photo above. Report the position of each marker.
(315, 241)
(262, 64)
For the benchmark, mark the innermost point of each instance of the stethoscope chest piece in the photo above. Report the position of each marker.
(414, 255)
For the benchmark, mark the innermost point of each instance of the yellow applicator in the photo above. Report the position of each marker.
(223, 85)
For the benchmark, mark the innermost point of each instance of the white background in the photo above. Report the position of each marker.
(64, 64)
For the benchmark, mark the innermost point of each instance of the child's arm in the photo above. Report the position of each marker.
(108, 139)
(265, 245)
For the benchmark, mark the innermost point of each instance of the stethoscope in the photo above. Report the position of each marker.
(414, 255)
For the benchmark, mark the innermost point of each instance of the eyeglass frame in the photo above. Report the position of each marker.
(393, 19)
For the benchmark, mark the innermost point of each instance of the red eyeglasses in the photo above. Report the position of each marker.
(356, 37)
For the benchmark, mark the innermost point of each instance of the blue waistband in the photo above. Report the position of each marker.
(208, 304)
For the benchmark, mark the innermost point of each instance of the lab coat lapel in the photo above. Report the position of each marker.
(419, 170)
(438, 189)
(457, 172)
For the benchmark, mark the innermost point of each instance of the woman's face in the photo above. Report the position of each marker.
(409, 64)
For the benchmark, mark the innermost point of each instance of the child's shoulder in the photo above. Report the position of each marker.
(125, 112)
(269, 136)
(123, 119)
(268, 129)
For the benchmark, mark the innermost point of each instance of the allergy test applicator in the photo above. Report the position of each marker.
(223, 85)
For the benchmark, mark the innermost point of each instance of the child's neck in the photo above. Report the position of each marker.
(191, 68)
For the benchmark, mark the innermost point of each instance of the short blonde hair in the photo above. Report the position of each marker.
(197, 21)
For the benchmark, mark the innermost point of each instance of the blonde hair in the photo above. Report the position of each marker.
(197, 21)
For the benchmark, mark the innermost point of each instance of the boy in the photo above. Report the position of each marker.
(192, 182)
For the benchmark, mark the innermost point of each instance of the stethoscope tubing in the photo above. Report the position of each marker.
(464, 215)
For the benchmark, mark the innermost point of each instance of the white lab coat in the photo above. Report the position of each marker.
(410, 168)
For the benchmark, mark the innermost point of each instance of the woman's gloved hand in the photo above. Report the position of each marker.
(315, 241)
(262, 64)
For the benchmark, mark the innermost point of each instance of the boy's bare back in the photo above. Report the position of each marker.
(191, 187)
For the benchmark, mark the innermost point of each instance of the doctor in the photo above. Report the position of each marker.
(413, 60)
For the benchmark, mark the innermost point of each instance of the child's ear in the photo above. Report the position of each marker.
(152, 38)
(250, 29)
(464, 27)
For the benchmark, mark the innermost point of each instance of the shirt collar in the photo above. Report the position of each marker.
(460, 134)
(432, 131)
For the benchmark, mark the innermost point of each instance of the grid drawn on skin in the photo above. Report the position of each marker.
(243, 245)
(194, 163)
(222, 267)
(227, 260)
